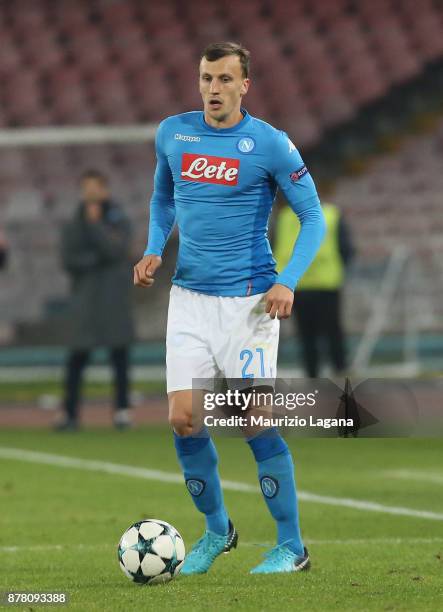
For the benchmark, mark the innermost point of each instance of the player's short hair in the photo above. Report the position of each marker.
(215, 51)
(96, 175)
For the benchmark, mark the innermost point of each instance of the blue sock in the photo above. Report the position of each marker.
(277, 483)
(198, 459)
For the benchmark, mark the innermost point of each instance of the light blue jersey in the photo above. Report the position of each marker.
(219, 185)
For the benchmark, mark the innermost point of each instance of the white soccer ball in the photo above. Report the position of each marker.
(151, 551)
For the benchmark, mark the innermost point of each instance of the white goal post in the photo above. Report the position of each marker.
(73, 135)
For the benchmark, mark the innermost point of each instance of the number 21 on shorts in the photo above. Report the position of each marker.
(249, 358)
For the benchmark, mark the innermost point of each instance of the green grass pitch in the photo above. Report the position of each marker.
(59, 527)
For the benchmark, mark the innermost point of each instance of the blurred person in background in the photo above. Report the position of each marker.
(318, 299)
(3, 249)
(96, 254)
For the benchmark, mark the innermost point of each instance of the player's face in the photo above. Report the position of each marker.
(222, 86)
(94, 190)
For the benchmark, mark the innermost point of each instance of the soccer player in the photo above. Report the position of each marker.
(216, 178)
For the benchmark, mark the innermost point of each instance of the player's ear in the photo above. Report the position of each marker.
(245, 86)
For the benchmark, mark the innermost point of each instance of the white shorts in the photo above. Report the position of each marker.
(210, 337)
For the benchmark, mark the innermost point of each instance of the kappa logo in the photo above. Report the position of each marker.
(210, 169)
(195, 486)
(291, 145)
(269, 486)
(187, 138)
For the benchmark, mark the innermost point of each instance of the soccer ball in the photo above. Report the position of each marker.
(151, 551)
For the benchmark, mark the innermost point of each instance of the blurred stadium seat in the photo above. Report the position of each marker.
(313, 45)
(315, 67)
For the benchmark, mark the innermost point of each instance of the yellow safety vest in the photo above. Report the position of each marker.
(326, 271)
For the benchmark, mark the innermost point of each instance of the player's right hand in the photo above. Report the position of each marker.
(145, 269)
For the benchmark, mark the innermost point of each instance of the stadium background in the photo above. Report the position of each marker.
(358, 85)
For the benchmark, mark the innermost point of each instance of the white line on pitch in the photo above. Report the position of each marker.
(23, 548)
(354, 542)
(420, 475)
(161, 476)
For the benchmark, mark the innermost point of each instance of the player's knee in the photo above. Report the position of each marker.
(180, 422)
(183, 420)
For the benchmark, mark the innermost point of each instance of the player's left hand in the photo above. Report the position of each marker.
(279, 300)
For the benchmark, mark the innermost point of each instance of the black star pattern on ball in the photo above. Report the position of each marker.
(170, 564)
(143, 546)
(139, 576)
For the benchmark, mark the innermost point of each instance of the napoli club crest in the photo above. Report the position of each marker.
(269, 486)
(246, 145)
(195, 486)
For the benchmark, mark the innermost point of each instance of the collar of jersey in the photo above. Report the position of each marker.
(234, 128)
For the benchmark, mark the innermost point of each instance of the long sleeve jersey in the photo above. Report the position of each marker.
(218, 186)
